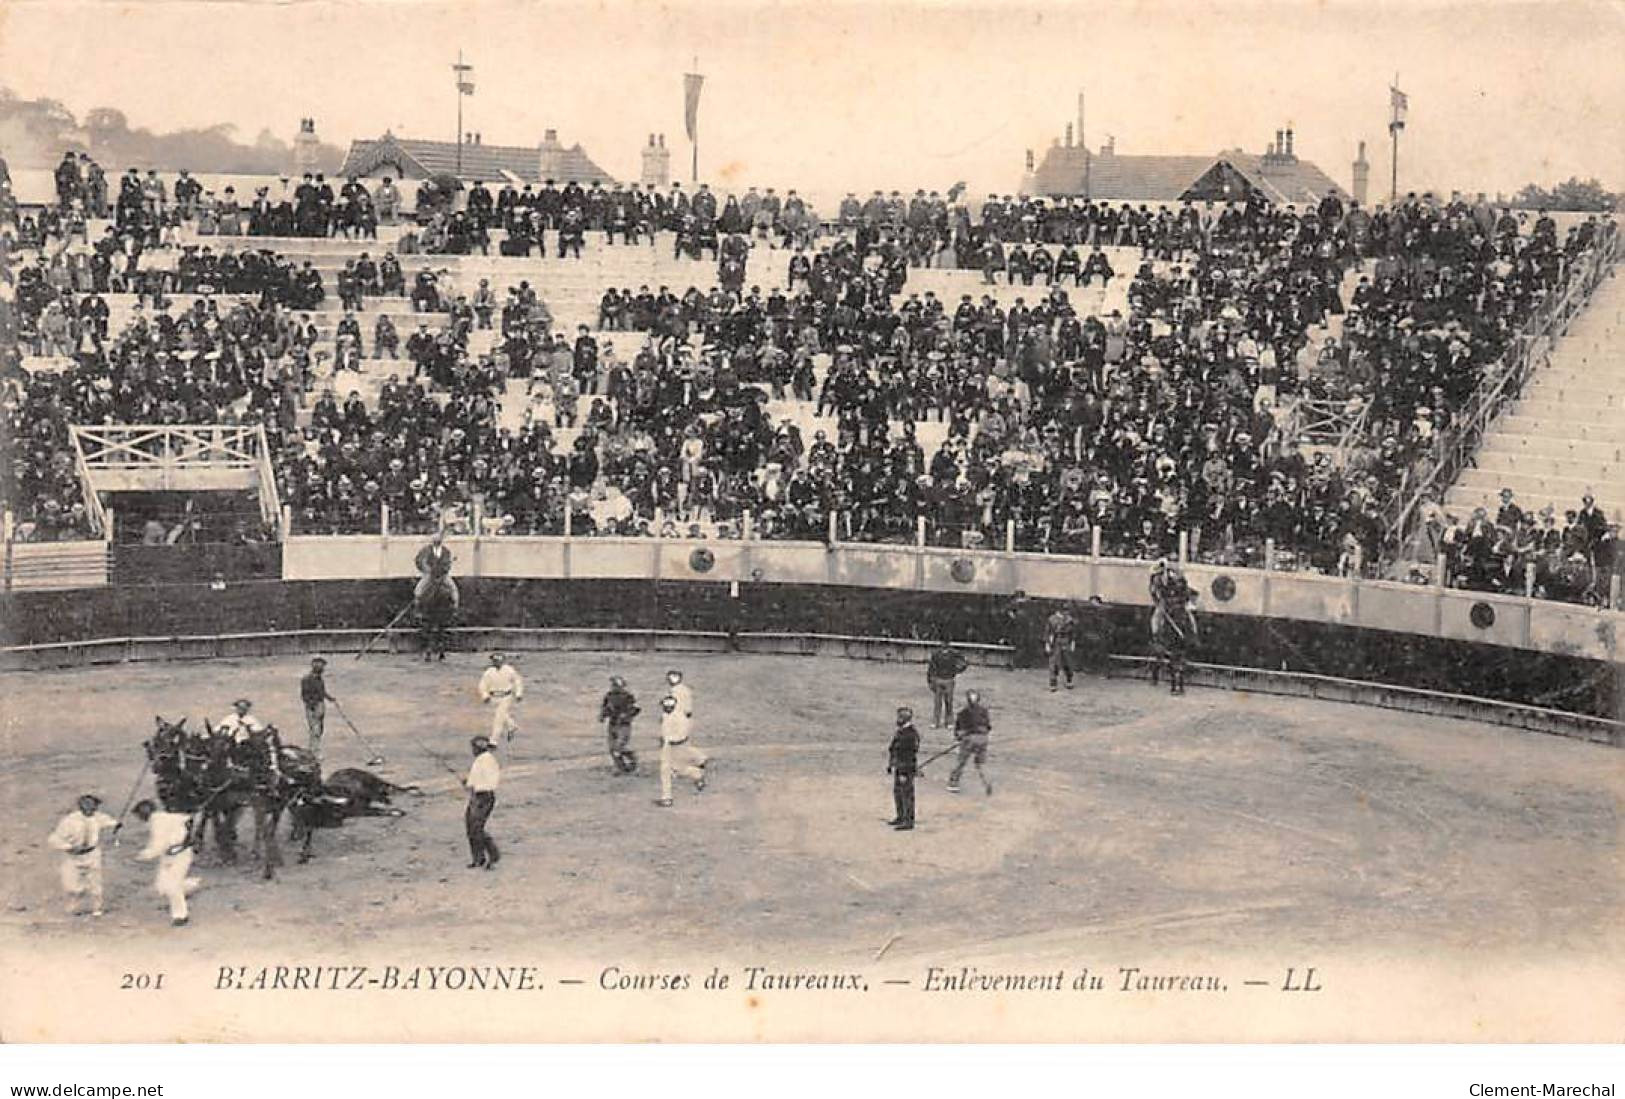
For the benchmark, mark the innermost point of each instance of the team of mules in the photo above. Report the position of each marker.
(215, 777)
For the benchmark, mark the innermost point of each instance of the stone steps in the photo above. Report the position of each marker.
(1552, 447)
(1565, 435)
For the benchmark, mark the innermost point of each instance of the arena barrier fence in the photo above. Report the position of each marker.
(1598, 730)
(108, 651)
(1433, 610)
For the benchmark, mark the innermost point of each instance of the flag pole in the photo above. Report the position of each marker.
(464, 87)
(694, 170)
(1395, 124)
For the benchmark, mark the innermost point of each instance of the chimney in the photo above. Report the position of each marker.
(656, 163)
(307, 149)
(1110, 148)
(1029, 160)
(1361, 176)
(1081, 143)
(551, 154)
(1289, 141)
(1069, 135)
(1280, 143)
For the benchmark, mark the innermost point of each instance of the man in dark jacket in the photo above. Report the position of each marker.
(971, 730)
(902, 764)
(618, 709)
(946, 663)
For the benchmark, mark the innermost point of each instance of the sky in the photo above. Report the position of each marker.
(834, 97)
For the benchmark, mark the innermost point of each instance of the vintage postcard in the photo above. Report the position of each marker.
(784, 522)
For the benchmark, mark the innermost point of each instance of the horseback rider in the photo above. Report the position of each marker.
(1172, 595)
(433, 563)
(1158, 580)
(1173, 623)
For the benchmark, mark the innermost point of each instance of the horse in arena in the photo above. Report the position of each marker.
(214, 777)
(1174, 632)
(434, 612)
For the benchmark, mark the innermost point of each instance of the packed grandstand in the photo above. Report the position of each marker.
(1059, 376)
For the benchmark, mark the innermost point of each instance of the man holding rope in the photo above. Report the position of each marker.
(170, 843)
(78, 836)
(971, 730)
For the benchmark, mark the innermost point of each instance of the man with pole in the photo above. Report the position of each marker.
(971, 730)
(313, 693)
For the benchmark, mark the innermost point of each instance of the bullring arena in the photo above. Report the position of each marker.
(1396, 779)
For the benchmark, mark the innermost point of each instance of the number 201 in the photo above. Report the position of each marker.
(141, 981)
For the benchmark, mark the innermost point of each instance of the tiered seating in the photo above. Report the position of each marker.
(1565, 436)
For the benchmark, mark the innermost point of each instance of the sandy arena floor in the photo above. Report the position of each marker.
(1122, 821)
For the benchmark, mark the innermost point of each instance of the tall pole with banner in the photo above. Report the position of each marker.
(465, 86)
(692, 82)
(1398, 104)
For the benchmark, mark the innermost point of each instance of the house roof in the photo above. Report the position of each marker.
(1284, 180)
(1144, 178)
(418, 159)
(1114, 178)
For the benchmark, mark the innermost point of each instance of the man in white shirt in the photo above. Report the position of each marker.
(241, 722)
(483, 778)
(501, 684)
(678, 755)
(78, 836)
(170, 843)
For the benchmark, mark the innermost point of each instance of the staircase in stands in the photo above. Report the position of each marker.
(1565, 436)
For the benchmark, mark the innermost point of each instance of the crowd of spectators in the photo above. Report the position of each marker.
(1057, 428)
(1519, 552)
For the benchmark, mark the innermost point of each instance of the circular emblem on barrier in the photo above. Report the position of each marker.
(1482, 615)
(701, 560)
(1224, 589)
(963, 570)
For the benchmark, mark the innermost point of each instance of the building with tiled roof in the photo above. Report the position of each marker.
(1276, 175)
(411, 158)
